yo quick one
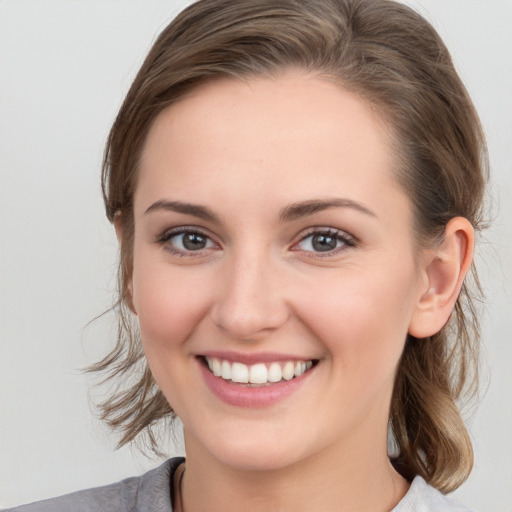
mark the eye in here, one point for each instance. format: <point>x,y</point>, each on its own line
<point>325,241</point>
<point>184,241</point>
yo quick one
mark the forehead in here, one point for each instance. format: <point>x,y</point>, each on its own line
<point>294,134</point>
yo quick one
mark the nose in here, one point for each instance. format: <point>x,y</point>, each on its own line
<point>250,301</point>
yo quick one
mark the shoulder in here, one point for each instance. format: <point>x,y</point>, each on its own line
<point>150,492</point>
<point>424,498</point>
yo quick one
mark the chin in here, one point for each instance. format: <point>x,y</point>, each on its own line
<point>259,452</point>
<point>257,459</point>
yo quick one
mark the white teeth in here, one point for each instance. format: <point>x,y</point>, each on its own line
<point>301,367</point>
<point>215,367</point>
<point>239,373</point>
<point>288,371</point>
<point>275,374</point>
<point>225,370</point>
<point>259,373</point>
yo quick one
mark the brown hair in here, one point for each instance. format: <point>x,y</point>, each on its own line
<point>389,55</point>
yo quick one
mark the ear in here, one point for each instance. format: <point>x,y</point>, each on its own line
<point>128,291</point>
<point>444,268</point>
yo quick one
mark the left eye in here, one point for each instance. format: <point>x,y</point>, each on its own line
<point>324,241</point>
<point>187,241</point>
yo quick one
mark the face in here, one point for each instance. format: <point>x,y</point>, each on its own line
<point>275,273</point>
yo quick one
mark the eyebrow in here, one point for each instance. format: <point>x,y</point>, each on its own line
<point>291,212</point>
<point>305,208</point>
<point>188,208</point>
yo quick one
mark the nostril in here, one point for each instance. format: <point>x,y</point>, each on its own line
<point>246,322</point>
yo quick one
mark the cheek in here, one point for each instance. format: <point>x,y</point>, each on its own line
<point>169,304</point>
<point>169,308</point>
<point>362,317</point>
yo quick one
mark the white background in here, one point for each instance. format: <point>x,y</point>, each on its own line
<point>65,66</point>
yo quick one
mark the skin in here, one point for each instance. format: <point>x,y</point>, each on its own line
<point>246,151</point>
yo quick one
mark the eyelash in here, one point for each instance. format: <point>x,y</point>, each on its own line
<point>347,241</point>
<point>168,235</point>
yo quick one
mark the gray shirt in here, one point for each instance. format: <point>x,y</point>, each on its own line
<point>152,492</point>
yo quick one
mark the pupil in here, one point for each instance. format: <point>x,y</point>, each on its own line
<point>324,243</point>
<point>194,241</point>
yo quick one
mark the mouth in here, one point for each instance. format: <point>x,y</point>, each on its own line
<point>258,374</point>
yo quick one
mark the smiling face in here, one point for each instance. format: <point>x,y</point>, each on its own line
<point>271,237</point>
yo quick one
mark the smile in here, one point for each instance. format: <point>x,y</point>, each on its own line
<point>257,374</point>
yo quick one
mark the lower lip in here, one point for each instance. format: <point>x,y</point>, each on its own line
<point>240,395</point>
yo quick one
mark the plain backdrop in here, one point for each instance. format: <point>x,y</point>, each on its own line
<point>64,68</point>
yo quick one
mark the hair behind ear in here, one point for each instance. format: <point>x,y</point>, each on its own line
<point>429,432</point>
<point>439,356</point>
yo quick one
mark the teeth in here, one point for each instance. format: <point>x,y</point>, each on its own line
<point>258,373</point>
<point>300,368</point>
<point>240,373</point>
<point>288,371</point>
<point>275,374</point>
<point>215,367</point>
<point>225,370</point>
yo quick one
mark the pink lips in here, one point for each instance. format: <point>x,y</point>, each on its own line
<point>247,396</point>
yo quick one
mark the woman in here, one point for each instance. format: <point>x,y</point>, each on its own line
<point>295,187</point>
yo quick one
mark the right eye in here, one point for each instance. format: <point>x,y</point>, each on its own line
<point>186,242</point>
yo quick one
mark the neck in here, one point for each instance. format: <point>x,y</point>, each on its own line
<point>341,479</point>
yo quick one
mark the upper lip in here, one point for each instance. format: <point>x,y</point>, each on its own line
<point>253,358</point>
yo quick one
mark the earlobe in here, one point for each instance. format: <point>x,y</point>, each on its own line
<point>445,267</point>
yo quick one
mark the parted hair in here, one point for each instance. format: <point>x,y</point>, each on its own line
<point>392,58</point>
